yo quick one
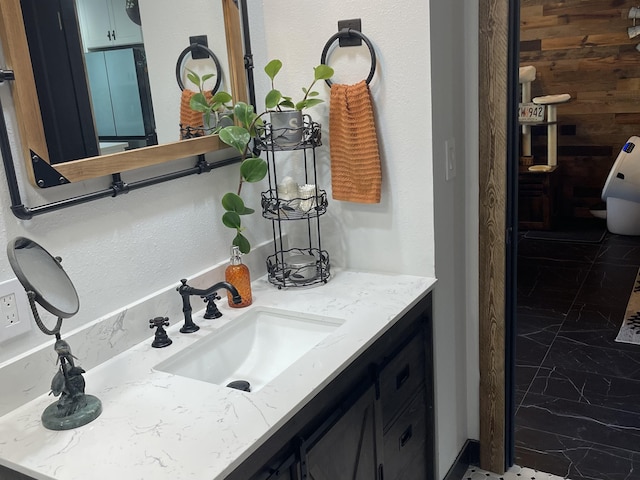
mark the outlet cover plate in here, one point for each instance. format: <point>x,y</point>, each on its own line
<point>20,311</point>
<point>450,156</point>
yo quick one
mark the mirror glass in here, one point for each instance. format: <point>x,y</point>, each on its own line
<point>42,274</point>
<point>116,55</point>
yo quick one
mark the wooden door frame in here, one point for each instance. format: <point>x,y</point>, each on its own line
<point>493,44</point>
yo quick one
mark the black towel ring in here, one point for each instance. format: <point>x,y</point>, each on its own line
<point>189,49</point>
<point>348,32</point>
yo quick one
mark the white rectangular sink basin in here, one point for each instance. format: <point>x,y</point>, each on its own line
<point>256,347</point>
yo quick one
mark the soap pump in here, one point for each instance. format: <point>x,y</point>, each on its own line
<point>237,274</point>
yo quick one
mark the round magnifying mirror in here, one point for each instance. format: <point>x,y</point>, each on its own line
<point>42,274</point>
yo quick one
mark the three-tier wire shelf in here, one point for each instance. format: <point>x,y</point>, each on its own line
<point>305,208</point>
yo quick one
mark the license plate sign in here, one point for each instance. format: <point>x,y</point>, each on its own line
<point>530,113</point>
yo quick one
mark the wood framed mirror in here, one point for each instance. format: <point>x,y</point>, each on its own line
<point>29,115</point>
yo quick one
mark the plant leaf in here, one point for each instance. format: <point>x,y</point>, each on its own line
<point>231,220</point>
<point>323,72</point>
<point>221,97</point>
<point>272,98</point>
<point>272,68</point>
<point>313,94</point>
<point>247,211</point>
<point>287,103</point>
<point>193,78</point>
<point>242,243</point>
<point>236,137</point>
<point>207,77</point>
<point>309,102</point>
<point>244,113</point>
<point>253,169</point>
<point>198,102</point>
<point>233,203</point>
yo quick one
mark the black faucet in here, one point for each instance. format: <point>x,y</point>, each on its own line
<point>210,295</point>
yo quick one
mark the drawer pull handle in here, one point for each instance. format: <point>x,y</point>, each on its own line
<point>402,377</point>
<point>406,436</point>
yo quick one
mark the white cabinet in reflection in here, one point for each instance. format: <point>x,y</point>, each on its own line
<point>105,23</point>
<point>119,93</point>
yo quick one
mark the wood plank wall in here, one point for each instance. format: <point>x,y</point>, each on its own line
<point>581,47</point>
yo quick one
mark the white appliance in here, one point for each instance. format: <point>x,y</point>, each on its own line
<point>621,191</point>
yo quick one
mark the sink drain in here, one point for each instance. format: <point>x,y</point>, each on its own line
<point>240,385</point>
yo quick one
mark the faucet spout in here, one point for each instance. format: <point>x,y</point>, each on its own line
<point>210,295</point>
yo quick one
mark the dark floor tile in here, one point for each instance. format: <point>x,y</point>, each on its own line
<point>585,387</point>
<point>551,290</point>
<point>606,284</point>
<point>573,458</point>
<point>535,334</point>
<point>596,325</point>
<point>542,305</point>
<point>524,376</point>
<point>619,254</point>
<point>556,253</point>
<point>559,277</point>
<point>614,239</point>
<point>610,362</point>
<point>577,415</point>
<point>590,423</point>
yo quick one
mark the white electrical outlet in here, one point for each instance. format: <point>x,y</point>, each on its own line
<point>15,313</point>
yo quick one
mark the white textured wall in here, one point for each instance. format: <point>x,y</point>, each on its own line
<point>449,76</point>
<point>397,234</point>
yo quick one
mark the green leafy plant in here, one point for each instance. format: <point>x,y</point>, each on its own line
<point>216,106</point>
<point>276,100</point>
<point>252,169</point>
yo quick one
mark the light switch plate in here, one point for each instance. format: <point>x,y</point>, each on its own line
<point>450,159</point>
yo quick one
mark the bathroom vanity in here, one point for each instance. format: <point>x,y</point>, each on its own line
<point>359,404</point>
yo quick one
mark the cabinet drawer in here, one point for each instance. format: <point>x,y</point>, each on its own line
<point>405,443</point>
<point>401,378</point>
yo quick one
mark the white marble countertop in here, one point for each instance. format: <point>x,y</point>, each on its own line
<point>164,427</point>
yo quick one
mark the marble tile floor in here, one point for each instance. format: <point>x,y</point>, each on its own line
<point>577,390</point>
<point>514,473</point>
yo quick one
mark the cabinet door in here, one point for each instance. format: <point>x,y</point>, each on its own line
<point>348,450</point>
<point>125,95</point>
<point>105,23</point>
<point>94,22</point>
<point>126,31</point>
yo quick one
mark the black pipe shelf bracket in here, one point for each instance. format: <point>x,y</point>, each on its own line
<point>6,75</point>
<point>350,35</point>
<point>118,186</point>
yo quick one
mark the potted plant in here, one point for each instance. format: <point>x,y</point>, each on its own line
<point>252,168</point>
<point>215,109</point>
<point>286,115</point>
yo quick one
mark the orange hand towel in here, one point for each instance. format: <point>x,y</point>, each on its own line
<point>191,124</point>
<point>355,160</point>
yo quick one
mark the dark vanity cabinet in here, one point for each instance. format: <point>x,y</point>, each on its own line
<point>348,449</point>
<point>373,422</point>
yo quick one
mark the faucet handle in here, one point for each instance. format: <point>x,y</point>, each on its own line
<point>212,309</point>
<point>161,339</point>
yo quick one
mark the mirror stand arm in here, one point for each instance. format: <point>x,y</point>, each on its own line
<point>36,316</point>
<point>118,186</point>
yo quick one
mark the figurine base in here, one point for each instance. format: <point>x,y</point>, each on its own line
<point>87,414</point>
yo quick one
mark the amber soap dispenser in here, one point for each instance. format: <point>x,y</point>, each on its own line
<point>237,274</point>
